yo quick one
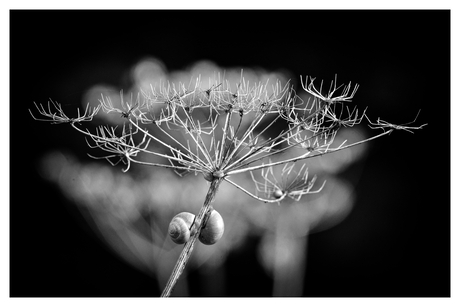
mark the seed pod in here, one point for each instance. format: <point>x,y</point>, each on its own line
<point>179,228</point>
<point>210,176</point>
<point>213,230</point>
<point>218,174</point>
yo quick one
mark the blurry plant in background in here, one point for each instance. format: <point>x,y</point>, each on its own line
<point>247,127</point>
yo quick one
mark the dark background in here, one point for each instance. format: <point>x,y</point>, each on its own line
<point>395,242</point>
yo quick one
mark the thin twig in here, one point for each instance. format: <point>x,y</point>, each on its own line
<point>306,155</point>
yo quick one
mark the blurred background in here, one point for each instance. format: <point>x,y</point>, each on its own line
<point>381,226</point>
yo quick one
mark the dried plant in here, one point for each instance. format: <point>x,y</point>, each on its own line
<point>224,133</point>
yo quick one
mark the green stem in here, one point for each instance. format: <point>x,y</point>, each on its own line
<point>188,247</point>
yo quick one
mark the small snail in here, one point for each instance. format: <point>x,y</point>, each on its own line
<point>180,228</point>
<point>213,230</point>
<point>278,193</point>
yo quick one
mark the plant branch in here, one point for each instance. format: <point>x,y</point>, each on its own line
<point>188,247</point>
<point>304,156</point>
<point>265,200</point>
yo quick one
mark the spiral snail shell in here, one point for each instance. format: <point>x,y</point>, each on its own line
<point>180,228</point>
<point>213,230</point>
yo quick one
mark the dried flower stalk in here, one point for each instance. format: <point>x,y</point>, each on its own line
<point>224,133</point>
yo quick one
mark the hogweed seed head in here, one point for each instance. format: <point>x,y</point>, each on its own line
<point>226,129</point>
<point>222,130</point>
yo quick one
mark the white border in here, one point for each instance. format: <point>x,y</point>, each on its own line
<point>234,4</point>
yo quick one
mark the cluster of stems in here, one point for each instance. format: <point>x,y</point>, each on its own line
<point>224,130</point>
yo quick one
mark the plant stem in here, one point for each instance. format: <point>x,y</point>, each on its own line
<point>188,247</point>
<point>304,156</point>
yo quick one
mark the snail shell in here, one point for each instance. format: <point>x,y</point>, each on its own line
<point>213,230</point>
<point>278,193</point>
<point>179,228</point>
<point>180,232</point>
